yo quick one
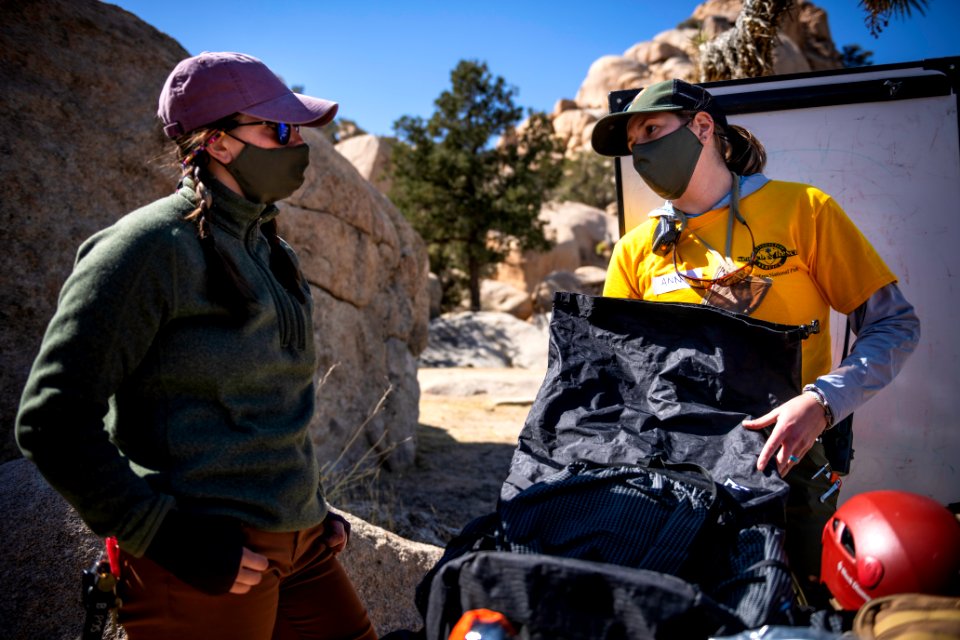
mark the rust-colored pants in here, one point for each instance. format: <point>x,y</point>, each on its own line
<point>304,594</point>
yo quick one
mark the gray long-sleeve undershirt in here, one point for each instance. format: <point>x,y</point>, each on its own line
<point>887,331</point>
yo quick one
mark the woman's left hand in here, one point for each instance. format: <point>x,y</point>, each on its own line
<point>797,424</point>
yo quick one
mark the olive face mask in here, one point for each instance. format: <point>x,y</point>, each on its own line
<point>268,175</point>
<point>666,164</point>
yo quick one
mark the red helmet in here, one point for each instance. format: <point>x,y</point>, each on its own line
<point>880,543</point>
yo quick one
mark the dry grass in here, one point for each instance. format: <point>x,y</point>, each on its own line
<point>464,447</point>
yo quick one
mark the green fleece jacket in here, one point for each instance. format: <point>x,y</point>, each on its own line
<point>147,395</point>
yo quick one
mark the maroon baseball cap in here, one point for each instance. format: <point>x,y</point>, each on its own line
<point>213,85</point>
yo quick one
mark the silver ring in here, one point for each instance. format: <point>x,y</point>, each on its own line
<point>794,459</point>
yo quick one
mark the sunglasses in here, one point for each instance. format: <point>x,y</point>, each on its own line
<point>281,130</point>
<point>728,279</point>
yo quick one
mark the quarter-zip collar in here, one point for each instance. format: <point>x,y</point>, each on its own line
<point>233,212</point>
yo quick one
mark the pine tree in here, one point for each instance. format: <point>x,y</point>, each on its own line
<point>469,175</point>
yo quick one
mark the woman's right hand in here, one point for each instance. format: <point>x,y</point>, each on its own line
<point>797,424</point>
<point>206,552</point>
<point>252,566</point>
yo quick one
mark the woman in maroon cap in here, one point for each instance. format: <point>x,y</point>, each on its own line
<point>171,396</point>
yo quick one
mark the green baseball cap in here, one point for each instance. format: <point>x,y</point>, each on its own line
<point>609,136</point>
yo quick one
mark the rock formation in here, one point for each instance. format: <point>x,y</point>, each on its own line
<point>581,236</point>
<point>386,569</point>
<point>578,233</point>
<point>80,149</point>
<point>369,154</point>
<point>368,271</point>
<point>485,339</point>
<point>804,45</point>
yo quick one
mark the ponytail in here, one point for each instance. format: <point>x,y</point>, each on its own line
<point>742,152</point>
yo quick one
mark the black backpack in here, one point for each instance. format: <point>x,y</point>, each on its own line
<point>633,507</point>
<point>552,597</point>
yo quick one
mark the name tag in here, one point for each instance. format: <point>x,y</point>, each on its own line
<point>672,281</point>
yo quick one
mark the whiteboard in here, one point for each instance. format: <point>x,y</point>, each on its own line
<point>894,166</point>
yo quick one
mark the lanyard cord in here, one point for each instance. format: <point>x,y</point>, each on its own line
<point>727,258</point>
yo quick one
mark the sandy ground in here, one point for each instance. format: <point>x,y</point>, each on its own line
<point>468,428</point>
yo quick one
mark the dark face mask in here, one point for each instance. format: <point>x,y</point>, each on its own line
<point>666,164</point>
<point>268,175</point>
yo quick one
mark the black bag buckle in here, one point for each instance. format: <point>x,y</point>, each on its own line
<point>667,233</point>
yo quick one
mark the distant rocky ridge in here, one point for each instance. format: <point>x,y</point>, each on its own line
<point>805,45</point>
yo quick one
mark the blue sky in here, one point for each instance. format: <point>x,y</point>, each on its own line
<point>382,60</point>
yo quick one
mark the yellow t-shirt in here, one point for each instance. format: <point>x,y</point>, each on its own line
<point>813,253</point>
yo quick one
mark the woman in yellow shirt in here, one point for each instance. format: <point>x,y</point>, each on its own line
<point>784,252</point>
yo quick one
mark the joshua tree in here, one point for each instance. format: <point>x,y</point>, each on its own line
<point>746,51</point>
